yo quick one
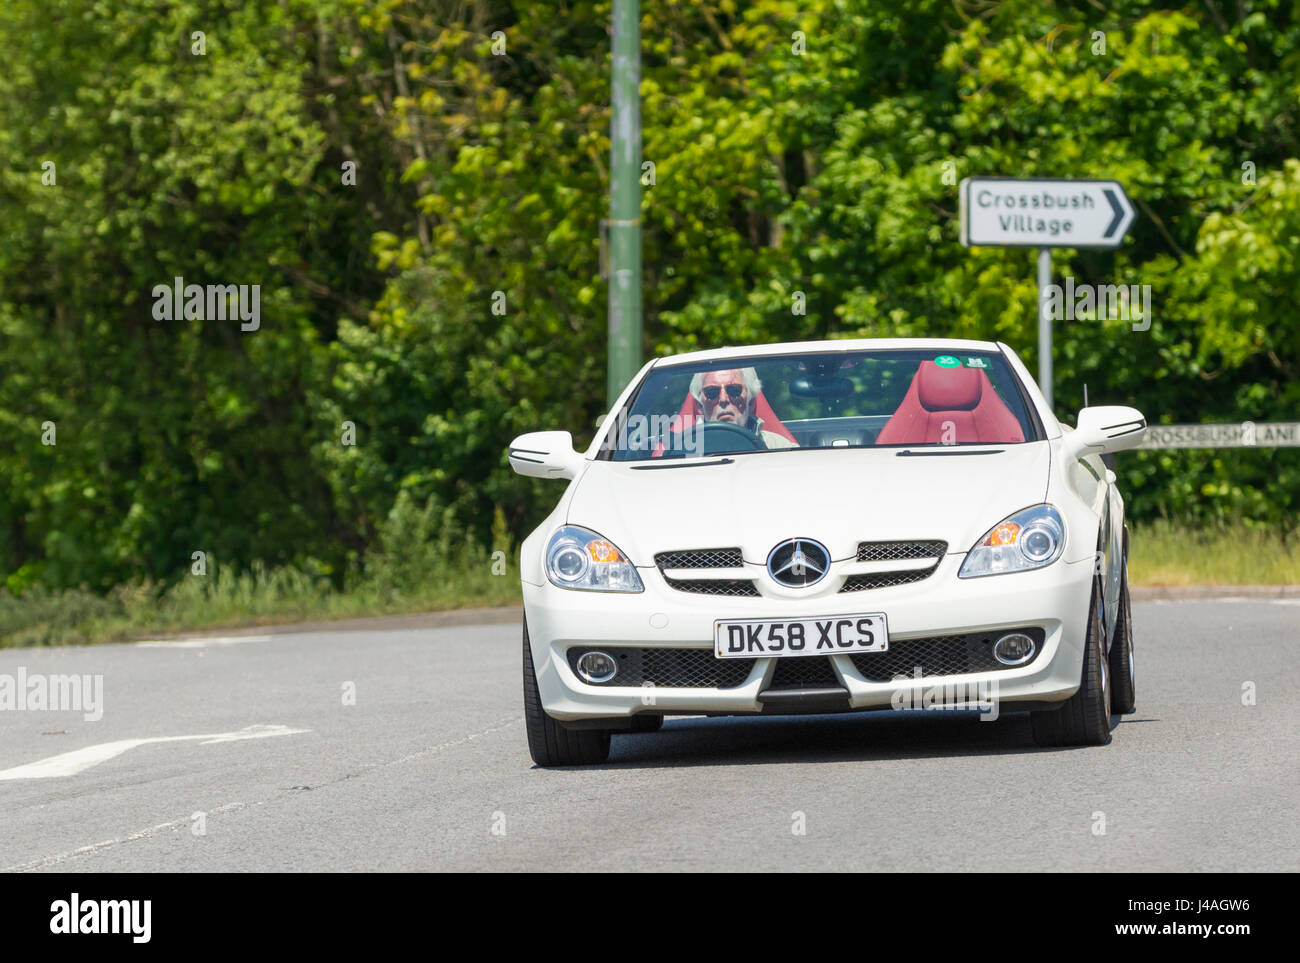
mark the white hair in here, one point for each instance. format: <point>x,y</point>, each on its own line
<point>747,375</point>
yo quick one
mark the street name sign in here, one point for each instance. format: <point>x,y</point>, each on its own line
<point>1043,212</point>
<point>1245,434</point>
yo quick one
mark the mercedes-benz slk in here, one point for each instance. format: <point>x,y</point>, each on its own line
<point>828,527</point>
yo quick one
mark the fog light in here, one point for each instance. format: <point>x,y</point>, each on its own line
<point>1014,649</point>
<point>597,667</point>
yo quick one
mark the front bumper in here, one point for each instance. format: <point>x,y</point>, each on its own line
<point>1055,599</point>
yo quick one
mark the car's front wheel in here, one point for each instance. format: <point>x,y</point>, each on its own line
<point>1123,692</point>
<point>549,743</point>
<point>1084,719</point>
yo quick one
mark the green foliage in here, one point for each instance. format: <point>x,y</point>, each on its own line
<point>172,436</point>
<point>803,153</point>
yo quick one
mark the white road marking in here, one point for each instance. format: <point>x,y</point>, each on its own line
<point>79,760</point>
<point>496,727</point>
<point>176,824</point>
<point>201,643</point>
<point>57,858</point>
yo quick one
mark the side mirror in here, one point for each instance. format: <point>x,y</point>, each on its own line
<point>545,454</point>
<point>1104,429</point>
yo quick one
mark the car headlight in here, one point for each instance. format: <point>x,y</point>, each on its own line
<point>1026,540</point>
<point>580,559</point>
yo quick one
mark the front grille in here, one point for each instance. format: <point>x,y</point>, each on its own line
<point>857,583</point>
<point>806,672</point>
<point>733,587</point>
<point>670,668</point>
<point>941,655</point>
<point>700,558</point>
<point>706,558</point>
<point>894,552</point>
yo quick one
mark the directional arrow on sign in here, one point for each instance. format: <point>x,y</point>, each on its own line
<point>1044,212</point>
<point>1121,212</point>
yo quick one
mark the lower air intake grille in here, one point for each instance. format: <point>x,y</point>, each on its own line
<point>941,655</point>
<point>670,668</point>
<point>806,672</point>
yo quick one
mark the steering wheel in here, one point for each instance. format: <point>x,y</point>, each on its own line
<point>721,437</point>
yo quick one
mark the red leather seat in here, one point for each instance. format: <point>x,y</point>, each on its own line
<point>950,405</point>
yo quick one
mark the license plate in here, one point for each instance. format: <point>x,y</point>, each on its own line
<point>769,638</point>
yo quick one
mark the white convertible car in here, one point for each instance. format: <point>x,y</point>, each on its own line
<point>827,527</point>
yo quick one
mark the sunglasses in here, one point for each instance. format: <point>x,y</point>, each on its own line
<point>714,392</point>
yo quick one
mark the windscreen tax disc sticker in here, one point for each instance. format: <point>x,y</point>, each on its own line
<point>947,361</point>
<point>977,362</point>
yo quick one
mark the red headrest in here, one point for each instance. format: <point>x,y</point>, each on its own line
<point>948,389</point>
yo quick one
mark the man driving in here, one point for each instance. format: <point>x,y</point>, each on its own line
<point>728,396</point>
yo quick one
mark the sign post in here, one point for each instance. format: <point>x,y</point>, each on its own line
<point>1044,212</point>
<point>1045,326</point>
<point>624,199</point>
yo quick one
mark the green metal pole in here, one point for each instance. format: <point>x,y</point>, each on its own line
<point>625,200</point>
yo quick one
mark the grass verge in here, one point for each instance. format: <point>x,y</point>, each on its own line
<point>1164,553</point>
<point>228,600</point>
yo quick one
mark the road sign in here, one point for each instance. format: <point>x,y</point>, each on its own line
<point>1244,434</point>
<point>1043,212</point>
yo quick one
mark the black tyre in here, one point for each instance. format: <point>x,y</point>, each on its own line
<point>1123,694</point>
<point>549,743</point>
<point>647,722</point>
<point>1084,720</point>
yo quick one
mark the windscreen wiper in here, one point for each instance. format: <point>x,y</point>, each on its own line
<point>683,464</point>
<point>912,453</point>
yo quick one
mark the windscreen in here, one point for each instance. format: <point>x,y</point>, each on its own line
<point>791,402</point>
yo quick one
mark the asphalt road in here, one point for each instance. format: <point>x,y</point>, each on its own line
<point>429,769</point>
